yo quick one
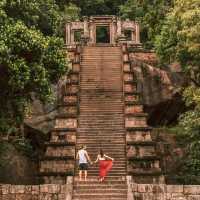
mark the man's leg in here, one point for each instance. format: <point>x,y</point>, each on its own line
<point>85,175</point>
<point>80,175</point>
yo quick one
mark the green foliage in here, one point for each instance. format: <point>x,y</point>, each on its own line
<point>31,57</point>
<point>179,41</point>
<point>94,7</point>
<point>150,15</point>
<point>71,12</point>
<point>180,37</point>
<point>189,132</point>
<point>43,15</point>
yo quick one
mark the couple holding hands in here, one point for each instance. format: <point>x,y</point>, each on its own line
<point>105,163</point>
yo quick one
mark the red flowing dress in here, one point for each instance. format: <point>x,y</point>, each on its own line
<point>104,167</point>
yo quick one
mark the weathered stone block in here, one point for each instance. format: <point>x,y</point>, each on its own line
<point>5,189</point>
<point>19,189</point>
<point>138,136</point>
<point>66,123</point>
<point>76,67</point>
<point>44,188</point>
<point>128,77</point>
<point>74,78</point>
<point>142,188</point>
<point>23,197</point>
<point>134,109</point>
<point>28,189</point>
<point>193,197</point>
<point>127,67</point>
<point>45,197</point>
<point>8,197</point>
<point>35,189</point>
<point>70,110</point>
<point>57,166</point>
<point>192,189</point>
<point>70,99</point>
<point>174,188</point>
<point>131,98</point>
<point>125,57</point>
<point>135,122</point>
<point>130,88</point>
<point>53,189</point>
<point>73,89</point>
<point>60,151</point>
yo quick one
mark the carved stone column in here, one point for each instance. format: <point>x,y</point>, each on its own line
<point>119,27</point>
<point>114,30</point>
<point>68,33</point>
<point>85,26</point>
<point>91,31</point>
<point>137,33</point>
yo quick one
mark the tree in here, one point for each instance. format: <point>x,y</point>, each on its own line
<point>179,41</point>
<point>94,7</point>
<point>190,133</point>
<point>31,57</point>
<point>150,15</point>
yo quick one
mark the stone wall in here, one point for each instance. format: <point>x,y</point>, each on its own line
<point>162,191</point>
<point>37,192</point>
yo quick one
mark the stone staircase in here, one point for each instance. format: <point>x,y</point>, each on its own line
<point>59,159</point>
<point>143,164</point>
<point>101,108</point>
<point>101,122</point>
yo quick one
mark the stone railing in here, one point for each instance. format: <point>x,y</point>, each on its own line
<point>162,191</point>
<point>37,192</point>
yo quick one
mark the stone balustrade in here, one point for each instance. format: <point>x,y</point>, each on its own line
<point>37,192</point>
<point>162,191</point>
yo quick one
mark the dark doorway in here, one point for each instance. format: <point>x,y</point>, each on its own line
<point>102,34</point>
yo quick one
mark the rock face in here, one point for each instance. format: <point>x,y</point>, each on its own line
<point>15,166</point>
<point>42,115</point>
<point>159,88</point>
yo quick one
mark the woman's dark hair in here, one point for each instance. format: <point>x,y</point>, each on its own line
<point>101,153</point>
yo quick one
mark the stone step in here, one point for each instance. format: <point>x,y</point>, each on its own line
<point>100,119</point>
<point>91,134</point>
<point>100,198</point>
<point>101,186</point>
<point>110,173</point>
<point>99,190</point>
<point>96,130</point>
<point>96,139</point>
<point>100,195</point>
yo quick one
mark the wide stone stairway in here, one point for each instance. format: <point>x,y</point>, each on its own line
<point>101,122</point>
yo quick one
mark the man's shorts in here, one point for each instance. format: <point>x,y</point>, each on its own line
<point>83,166</point>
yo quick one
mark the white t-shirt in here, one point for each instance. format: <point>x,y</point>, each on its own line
<point>82,156</point>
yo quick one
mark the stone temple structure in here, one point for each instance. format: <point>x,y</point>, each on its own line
<point>100,106</point>
<point>110,28</point>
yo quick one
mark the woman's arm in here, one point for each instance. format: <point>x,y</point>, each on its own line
<point>97,159</point>
<point>108,157</point>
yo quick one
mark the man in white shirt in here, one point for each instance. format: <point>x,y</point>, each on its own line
<point>83,158</point>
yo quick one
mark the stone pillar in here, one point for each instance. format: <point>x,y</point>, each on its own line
<point>130,191</point>
<point>137,33</point>
<point>85,26</point>
<point>68,33</point>
<point>91,31</point>
<point>69,188</point>
<point>114,31</point>
<point>119,27</point>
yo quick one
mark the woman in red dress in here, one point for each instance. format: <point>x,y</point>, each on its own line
<point>105,164</point>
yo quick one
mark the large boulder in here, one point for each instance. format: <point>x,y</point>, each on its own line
<point>159,88</point>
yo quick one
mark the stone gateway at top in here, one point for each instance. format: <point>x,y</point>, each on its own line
<point>102,30</point>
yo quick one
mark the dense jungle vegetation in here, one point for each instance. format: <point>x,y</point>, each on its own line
<point>31,55</point>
